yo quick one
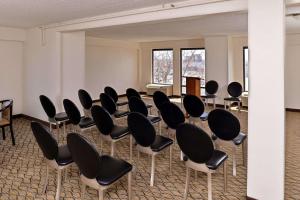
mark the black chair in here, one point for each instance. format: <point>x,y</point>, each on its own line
<point>226,132</point>
<point>6,110</point>
<point>54,118</point>
<point>147,141</point>
<point>108,103</point>
<point>130,92</point>
<point>86,102</point>
<point>57,157</point>
<point>79,123</point>
<point>200,155</point>
<point>172,116</point>
<point>114,95</point>
<point>195,109</point>
<point>235,90</point>
<point>108,130</point>
<point>211,88</point>
<point>159,99</point>
<point>137,105</point>
<point>96,171</point>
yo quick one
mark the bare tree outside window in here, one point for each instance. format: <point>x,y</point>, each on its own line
<point>162,66</point>
<point>192,65</point>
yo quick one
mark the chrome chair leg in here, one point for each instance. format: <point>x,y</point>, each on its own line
<point>234,161</point>
<point>225,175</point>
<point>129,186</point>
<point>170,159</point>
<point>101,194</point>
<point>57,196</point>
<point>209,186</point>
<point>152,171</point>
<point>83,190</point>
<point>112,151</point>
<point>46,180</point>
<point>130,147</point>
<point>187,182</point>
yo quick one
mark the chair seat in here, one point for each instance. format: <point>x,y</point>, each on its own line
<point>160,143</point>
<point>204,116</point>
<point>61,117</point>
<point>119,132</point>
<point>232,99</point>
<point>4,122</point>
<point>216,160</point>
<point>86,122</point>
<point>111,170</point>
<point>119,114</point>
<point>64,156</point>
<point>122,103</point>
<point>154,119</point>
<point>209,96</point>
<point>239,139</point>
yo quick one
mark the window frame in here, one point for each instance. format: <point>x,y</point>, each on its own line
<point>193,48</point>
<point>244,70</point>
<point>152,54</point>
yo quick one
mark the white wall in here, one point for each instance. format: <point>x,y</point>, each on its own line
<point>73,65</point>
<point>11,66</point>
<point>110,63</point>
<point>146,59</point>
<point>217,63</point>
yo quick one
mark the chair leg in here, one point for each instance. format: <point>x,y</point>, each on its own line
<point>57,132</point>
<point>3,133</point>
<point>101,194</point>
<point>83,190</point>
<point>234,161</point>
<point>57,196</point>
<point>50,127</point>
<point>12,135</point>
<point>187,182</point>
<point>209,187</point>
<point>130,147</point>
<point>152,171</point>
<point>159,127</point>
<point>64,127</point>
<point>46,180</point>
<point>225,105</point>
<point>244,146</point>
<point>112,151</point>
<point>129,186</point>
<point>214,102</point>
<point>225,175</point>
<point>170,159</point>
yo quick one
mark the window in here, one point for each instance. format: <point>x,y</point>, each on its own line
<point>192,65</point>
<point>162,66</point>
<point>246,68</point>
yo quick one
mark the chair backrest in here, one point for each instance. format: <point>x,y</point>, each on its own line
<point>45,140</point>
<point>7,109</point>
<point>193,105</point>
<point>130,92</point>
<point>159,99</point>
<point>108,103</point>
<point>85,99</point>
<point>72,111</point>
<point>137,105</point>
<point>112,93</point>
<point>84,155</point>
<point>102,119</point>
<point>194,143</point>
<point>48,106</point>
<point>141,129</point>
<point>211,87</point>
<point>235,89</point>
<point>172,115</point>
<point>223,124</point>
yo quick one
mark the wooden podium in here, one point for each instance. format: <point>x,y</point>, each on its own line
<point>193,86</point>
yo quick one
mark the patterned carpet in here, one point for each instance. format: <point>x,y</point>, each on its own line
<point>22,170</point>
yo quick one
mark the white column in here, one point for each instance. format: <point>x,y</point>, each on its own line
<point>266,126</point>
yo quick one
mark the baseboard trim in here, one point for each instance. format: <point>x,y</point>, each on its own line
<point>30,118</point>
<point>250,198</point>
<point>292,109</point>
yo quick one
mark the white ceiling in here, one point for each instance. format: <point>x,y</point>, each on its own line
<point>221,24</point>
<point>31,13</point>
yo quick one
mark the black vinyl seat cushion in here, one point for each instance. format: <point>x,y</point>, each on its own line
<point>86,122</point>
<point>64,156</point>
<point>204,116</point>
<point>160,143</point>
<point>239,139</point>
<point>232,99</point>
<point>154,119</point>
<point>111,169</point>
<point>118,132</point>
<point>216,160</point>
<point>209,96</point>
<point>119,114</point>
<point>61,117</point>
<point>123,103</point>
